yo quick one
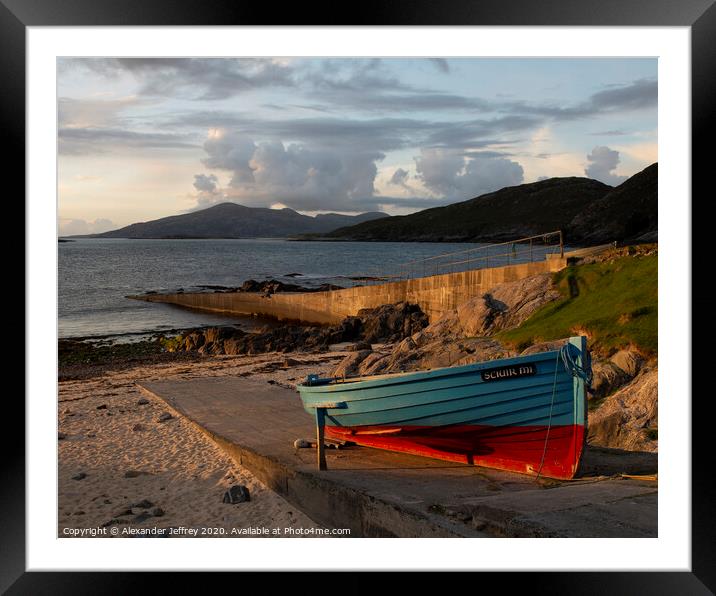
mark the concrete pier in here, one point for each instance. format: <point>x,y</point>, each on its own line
<point>383,494</point>
<point>434,294</point>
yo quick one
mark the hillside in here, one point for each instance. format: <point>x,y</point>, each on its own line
<point>229,220</point>
<point>508,213</point>
<point>588,211</point>
<point>627,213</point>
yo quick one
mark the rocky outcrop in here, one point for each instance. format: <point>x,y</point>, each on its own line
<point>460,336</point>
<point>628,419</point>
<point>390,322</point>
<point>507,305</point>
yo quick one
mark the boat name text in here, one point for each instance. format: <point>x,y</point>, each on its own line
<point>509,372</point>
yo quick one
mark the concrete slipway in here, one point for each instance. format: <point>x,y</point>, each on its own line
<point>379,493</point>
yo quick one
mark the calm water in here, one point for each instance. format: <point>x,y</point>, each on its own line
<point>95,275</point>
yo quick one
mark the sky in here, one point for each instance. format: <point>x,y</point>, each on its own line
<point>144,138</point>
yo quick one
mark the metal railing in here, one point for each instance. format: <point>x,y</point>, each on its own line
<point>522,250</point>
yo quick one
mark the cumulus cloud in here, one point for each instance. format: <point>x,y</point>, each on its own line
<point>204,183</point>
<point>451,174</point>
<point>298,175</point>
<point>76,227</point>
<point>399,178</point>
<point>602,163</point>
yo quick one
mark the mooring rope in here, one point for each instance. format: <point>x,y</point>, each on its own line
<point>551,407</point>
<point>567,353</point>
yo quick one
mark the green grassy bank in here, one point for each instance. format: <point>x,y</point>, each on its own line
<point>614,302</point>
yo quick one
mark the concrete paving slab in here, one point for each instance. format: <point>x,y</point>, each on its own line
<point>380,493</point>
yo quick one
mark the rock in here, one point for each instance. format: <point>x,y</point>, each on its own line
<point>90,435</point>
<point>139,428</point>
<point>79,476</point>
<point>79,513</point>
<point>545,346</point>
<point>136,473</point>
<point>302,444</point>
<point>629,361</point>
<point>102,407</point>
<point>143,504</point>
<point>142,402</point>
<point>391,321</point>
<point>124,512</point>
<point>607,378</point>
<point>349,365</point>
<point>164,417</point>
<point>289,362</point>
<point>359,347</point>
<point>144,516</point>
<point>505,306</point>
<point>236,494</point>
<point>373,364</point>
<point>157,512</point>
<point>61,436</point>
<point>628,418</point>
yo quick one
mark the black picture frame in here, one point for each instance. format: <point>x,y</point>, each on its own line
<point>699,15</point>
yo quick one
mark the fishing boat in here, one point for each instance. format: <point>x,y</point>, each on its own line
<point>525,414</point>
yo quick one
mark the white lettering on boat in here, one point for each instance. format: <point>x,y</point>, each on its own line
<point>509,372</point>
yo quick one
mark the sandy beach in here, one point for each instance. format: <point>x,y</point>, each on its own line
<point>121,469</point>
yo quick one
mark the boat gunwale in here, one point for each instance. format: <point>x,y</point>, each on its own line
<point>352,383</point>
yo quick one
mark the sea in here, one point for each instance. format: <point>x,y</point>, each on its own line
<point>95,276</point>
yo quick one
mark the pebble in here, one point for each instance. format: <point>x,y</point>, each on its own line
<point>164,417</point>
<point>138,428</point>
<point>135,473</point>
<point>102,407</point>
<point>143,402</point>
<point>157,512</point>
<point>61,436</point>
<point>143,504</point>
<point>79,476</point>
<point>236,494</point>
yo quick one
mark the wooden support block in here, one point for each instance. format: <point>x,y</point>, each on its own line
<point>320,447</point>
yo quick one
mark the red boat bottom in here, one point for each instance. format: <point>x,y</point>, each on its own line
<point>516,448</point>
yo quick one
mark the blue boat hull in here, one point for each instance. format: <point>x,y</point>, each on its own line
<point>526,414</point>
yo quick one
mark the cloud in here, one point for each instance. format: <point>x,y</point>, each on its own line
<point>399,178</point>
<point>74,227</point>
<point>441,64</point>
<point>602,162</point>
<point>193,78</point>
<point>637,95</point>
<point>82,141</point>
<point>298,175</point>
<point>450,174</point>
<point>204,183</point>
<point>84,113</point>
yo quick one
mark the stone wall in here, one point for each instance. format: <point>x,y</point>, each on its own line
<point>434,295</point>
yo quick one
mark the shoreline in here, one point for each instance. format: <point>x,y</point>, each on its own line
<point>114,452</point>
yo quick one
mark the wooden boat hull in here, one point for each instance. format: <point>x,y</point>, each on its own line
<point>484,414</point>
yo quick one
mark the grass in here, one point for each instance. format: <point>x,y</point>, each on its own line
<point>613,303</point>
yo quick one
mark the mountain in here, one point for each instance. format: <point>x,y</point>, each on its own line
<point>229,220</point>
<point>587,211</point>
<point>628,213</point>
<point>506,214</point>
